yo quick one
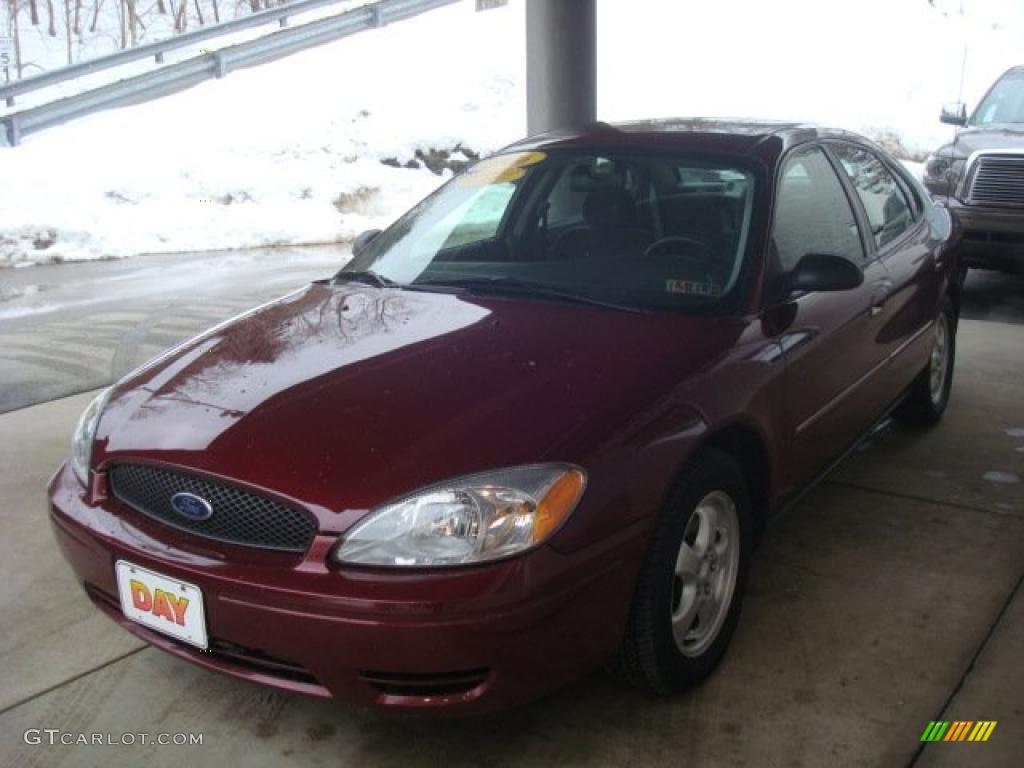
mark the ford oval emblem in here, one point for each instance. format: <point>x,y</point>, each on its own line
<point>191,506</point>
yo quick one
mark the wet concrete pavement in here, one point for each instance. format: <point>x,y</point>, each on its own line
<point>68,328</point>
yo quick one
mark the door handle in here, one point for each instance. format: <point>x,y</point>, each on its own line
<point>879,296</point>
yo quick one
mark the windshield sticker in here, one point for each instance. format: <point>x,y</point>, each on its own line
<point>500,169</point>
<point>691,288</point>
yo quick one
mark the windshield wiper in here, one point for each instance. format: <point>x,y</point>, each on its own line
<point>513,286</point>
<point>369,277</point>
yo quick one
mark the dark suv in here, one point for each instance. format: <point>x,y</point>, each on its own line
<point>980,176</point>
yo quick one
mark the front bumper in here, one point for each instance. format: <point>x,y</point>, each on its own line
<point>993,238</point>
<point>465,640</point>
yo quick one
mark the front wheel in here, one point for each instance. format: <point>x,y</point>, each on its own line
<point>691,584</point>
<point>929,394</point>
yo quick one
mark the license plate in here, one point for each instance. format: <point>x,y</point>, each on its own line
<point>159,602</point>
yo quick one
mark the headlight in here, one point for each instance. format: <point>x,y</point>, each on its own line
<point>85,431</point>
<point>944,170</point>
<point>473,519</point>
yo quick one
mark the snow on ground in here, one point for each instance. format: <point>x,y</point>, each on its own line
<point>290,152</point>
<point>285,153</point>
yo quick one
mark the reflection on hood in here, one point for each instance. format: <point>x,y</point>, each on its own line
<point>242,366</point>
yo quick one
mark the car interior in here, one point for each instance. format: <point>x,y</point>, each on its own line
<point>636,227</point>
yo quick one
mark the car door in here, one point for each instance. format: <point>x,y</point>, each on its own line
<point>900,239</point>
<point>832,362</point>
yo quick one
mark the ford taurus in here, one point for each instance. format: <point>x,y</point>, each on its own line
<point>533,428</point>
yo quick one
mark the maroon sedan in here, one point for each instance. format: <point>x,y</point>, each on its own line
<point>534,427</point>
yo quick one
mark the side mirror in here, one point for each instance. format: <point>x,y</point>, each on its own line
<point>954,113</point>
<point>364,239</point>
<point>824,272</point>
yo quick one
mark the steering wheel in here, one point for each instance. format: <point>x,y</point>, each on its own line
<point>704,260</point>
<point>666,243</point>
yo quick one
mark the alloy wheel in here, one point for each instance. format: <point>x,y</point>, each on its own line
<point>939,360</point>
<point>705,573</point>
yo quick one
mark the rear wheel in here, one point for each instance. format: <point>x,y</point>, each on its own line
<point>929,394</point>
<point>691,585</point>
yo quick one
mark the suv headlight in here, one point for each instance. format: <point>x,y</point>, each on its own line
<point>473,519</point>
<point>85,431</point>
<point>944,169</point>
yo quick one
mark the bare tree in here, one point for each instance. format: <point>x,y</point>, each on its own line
<point>33,10</point>
<point>78,18</point>
<point>16,34</point>
<point>67,31</point>
<point>52,29</point>
<point>95,14</point>
<point>216,12</point>
<point>199,13</point>
<point>133,18</point>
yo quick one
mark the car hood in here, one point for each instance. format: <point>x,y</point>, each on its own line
<point>342,397</point>
<point>971,140</point>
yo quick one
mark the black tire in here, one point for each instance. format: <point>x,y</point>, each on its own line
<point>924,405</point>
<point>650,656</point>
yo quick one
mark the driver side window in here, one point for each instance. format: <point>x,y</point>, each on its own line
<point>812,214</point>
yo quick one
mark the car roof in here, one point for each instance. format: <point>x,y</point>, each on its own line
<point>734,136</point>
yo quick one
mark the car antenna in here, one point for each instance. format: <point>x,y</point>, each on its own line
<point>959,98</point>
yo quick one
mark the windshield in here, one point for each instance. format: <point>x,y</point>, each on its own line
<point>1003,104</point>
<point>635,230</point>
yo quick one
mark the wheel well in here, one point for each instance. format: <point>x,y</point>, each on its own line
<point>747,448</point>
<point>954,291</point>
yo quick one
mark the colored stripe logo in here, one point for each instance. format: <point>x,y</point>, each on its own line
<point>958,730</point>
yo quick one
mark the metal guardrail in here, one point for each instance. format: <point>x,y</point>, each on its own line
<point>216,64</point>
<point>156,50</point>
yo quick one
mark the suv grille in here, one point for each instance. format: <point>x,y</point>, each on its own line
<point>239,517</point>
<point>997,179</point>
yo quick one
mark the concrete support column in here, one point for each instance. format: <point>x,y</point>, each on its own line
<point>561,64</point>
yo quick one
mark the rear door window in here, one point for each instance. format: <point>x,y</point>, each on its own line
<point>885,202</point>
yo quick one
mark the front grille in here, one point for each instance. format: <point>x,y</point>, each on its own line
<point>239,517</point>
<point>997,179</point>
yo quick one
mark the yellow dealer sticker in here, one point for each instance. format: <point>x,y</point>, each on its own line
<point>500,169</point>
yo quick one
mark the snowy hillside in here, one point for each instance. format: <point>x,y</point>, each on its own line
<point>313,148</point>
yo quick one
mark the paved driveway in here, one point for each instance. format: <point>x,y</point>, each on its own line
<point>68,328</point>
